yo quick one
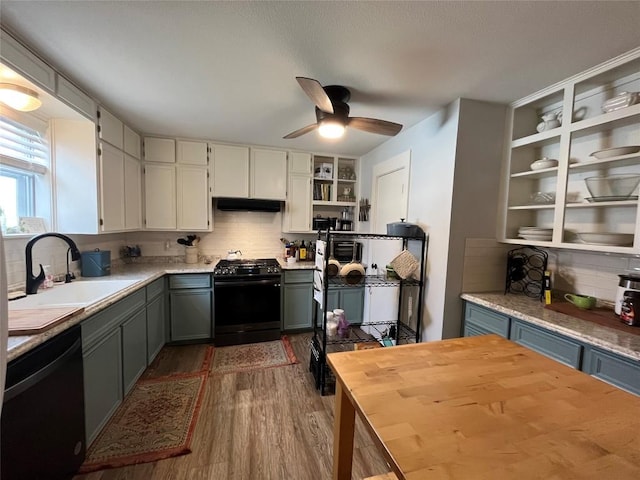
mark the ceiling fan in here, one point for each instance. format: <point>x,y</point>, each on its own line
<point>332,112</point>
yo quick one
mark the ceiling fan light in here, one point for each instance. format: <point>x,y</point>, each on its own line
<point>331,129</point>
<point>19,98</point>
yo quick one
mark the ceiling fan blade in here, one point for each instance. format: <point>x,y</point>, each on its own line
<point>373,125</point>
<point>302,131</point>
<point>316,93</point>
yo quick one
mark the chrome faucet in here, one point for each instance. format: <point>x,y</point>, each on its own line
<point>34,282</point>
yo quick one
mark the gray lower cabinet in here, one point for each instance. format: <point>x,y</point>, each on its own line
<point>134,349</point>
<point>297,300</point>
<point>612,368</point>
<point>156,318</point>
<point>551,344</point>
<point>605,365</point>
<point>190,307</point>
<point>102,382</point>
<point>349,299</point>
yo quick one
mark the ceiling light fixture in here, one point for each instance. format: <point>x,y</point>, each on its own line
<point>331,129</point>
<point>19,98</point>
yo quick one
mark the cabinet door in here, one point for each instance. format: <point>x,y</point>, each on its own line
<point>112,188</point>
<point>190,312</point>
<point>20,59</point>
<point>192,153</point>
<point>134,349</point>
<point>193,198</point>
<point>162,150</point>
<point>268,174</point>
<point>300,163</point>
<point>487,321</point>
<point>156,335</point>
<point>131,143</point>
<point>230,171</point>
<point>297,306</point>
<point>110,129</point>
<point>75,97</point>
<point>160,196</point>
<point>548,343</point>
<point>102,383</point>
<point>613,369</point>
<point>352,302</point>
<point>297,215</point>
<point>132,193</point>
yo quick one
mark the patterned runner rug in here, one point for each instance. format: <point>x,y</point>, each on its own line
<point>155,421</point>
<point>253,356</point>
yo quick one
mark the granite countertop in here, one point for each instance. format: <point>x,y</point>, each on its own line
<point>144,273</point>
<point>533,311</point>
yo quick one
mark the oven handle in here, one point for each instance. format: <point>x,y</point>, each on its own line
<point>245,283</point>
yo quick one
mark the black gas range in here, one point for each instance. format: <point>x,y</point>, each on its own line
<point>247,301</point>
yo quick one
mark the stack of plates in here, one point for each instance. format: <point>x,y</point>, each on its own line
<point>536,233</point>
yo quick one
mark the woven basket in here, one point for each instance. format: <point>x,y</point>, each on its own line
<point>405,264</point>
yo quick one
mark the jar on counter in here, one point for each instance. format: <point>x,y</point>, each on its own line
<point>630,310</point>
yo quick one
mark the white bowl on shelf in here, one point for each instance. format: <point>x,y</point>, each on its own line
<point>544,162</point>
<point>615,151</point>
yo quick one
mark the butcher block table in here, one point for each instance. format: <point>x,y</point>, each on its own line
<point>483,408</point>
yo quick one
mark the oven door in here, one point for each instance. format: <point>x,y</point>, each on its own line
<point>247,309</point>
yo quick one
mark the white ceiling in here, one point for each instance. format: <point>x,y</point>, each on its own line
<point>226,70</point>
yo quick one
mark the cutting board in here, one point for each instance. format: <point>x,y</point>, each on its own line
<point>33,321</point>
<point>602,316</point>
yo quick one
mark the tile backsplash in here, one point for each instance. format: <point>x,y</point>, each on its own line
<point>256,234</point>
<point>587,273</point>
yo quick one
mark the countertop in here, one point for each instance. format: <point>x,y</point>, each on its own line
<point>533,311</point>
<point>144,273</point>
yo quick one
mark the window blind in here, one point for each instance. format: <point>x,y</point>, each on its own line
<point>22,146</point>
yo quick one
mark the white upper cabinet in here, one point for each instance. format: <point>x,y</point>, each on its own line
<point>112,189</point>
<point>297,212</point>
<point>576,124</point>
<point>132,193</point>
<point>193,200</point>
<point>80,101</point>
<point>229,171</point>
<point>132,145</point>
<point>162,150</point>
<point>110,129</point>
<point>268,171</point>
<point>192,153</point>
<point>160,196</point>
<point>23,61</point>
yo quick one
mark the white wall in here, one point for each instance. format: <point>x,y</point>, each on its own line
<point>455,170</point>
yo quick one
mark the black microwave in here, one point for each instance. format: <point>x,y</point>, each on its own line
<point>343,251</point>
<point>324,223</point>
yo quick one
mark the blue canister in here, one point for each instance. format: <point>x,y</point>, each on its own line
<point>96,263</point>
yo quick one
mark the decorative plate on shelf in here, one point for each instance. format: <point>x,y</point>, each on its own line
<point>615,151</point>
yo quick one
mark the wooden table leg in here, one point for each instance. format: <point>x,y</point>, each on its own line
<point>343,430</point>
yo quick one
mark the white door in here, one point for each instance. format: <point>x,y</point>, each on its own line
<point>268,174</point>
<point>297,215</point>
<point>132,193</point>
<point>230,171</point>
<point>389,200</point>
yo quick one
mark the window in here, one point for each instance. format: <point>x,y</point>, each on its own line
<point>24,158</point>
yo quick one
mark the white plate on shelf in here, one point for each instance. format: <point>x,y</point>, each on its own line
<point>615,151</point>
<point>535,230</point>
<point>610,199</point>
<point>535,237</point>
<point>609,239</point>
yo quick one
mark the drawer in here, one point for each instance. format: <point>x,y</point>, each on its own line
<point>473,330</point>
<point>299,276</point>
<point>613,369</point>
<point>155,288</point>
<point>486,320</point>
<point>190,281</point>
<point>550,344</point>
<point>100,324</point>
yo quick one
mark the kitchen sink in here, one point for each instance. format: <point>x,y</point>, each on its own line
<point>75,294</point>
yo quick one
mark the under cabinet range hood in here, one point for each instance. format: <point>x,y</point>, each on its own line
<point>247,205</point>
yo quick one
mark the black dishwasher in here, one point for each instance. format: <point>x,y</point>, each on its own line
<point>42,435</point>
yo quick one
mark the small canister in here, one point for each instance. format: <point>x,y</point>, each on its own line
<point>630,310</point>
<point>627,282</point>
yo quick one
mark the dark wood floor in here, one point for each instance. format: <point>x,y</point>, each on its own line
<point>265,425</point>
